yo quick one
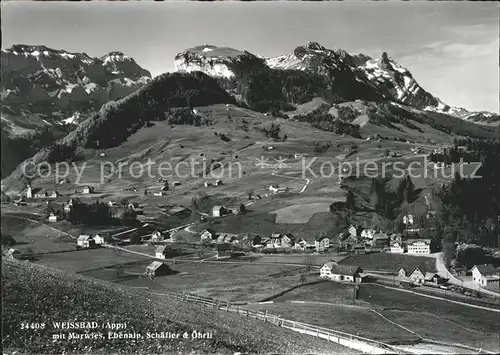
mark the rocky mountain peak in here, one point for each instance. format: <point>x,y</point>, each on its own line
<point>384,63</point>
<point>315,46</point>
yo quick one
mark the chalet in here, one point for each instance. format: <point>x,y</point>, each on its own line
<point>277,240</point>
<point>39,193</point>
<point>102,238</point>
<point>161,252</point>
<point>485,275</point>
<point>322,243</point>
<point>359,249</point>
<point>417,276</point>
<point>52,194</point>
<point>342,273</point>
<point>368,233</point>
<point>88,190</point>
<point>380,240</point>
<point>52,217</point>
<point>434,279</point>
<point>300,244</point>
<point>85,241</point>
<point>397,247</point>
<point>157,268</point>
<point>419,246</point>
<point>208,234</point>
<point>349,241</point>
<point>13,254</point>
<point>158,236</point>
<point>355,231</point>
<point>68,206</point>
<point>404,272</point>
<point>218,211</point>
<point>274,188</point>
<point>224,250</point>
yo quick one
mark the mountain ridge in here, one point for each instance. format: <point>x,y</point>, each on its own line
<point>383,75</point>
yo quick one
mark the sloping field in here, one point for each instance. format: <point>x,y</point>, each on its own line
<point>57,296</point>
<point>300,213</point>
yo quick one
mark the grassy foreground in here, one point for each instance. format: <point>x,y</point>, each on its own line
<point>36,293</point>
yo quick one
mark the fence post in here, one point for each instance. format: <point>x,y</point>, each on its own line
<point>227,307</point>
<point>247,312</point>
<point>265,316</point>
<point>317,333</point>
<point>328,336</point>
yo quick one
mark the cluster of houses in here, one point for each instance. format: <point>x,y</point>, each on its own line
<point>41,193</point>
<point>92,241</point>
<point>278,241</point>
<point>360,240</point>
<point>419,276</point>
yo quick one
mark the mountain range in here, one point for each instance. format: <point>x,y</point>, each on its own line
<point>371,78</point>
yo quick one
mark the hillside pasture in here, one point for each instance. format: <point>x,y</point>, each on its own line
<point>299,214</point>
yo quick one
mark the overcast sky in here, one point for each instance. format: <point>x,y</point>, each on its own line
<point>451,48</point>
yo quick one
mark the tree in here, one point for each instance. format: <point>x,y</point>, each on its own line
<point>243,209</point>
<point>350,202</point>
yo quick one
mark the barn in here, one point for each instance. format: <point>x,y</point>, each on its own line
<point>157,268</point>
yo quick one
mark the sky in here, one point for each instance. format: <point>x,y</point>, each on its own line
<point>451,48</point>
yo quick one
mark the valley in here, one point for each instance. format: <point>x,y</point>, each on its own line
<point>321,203</point>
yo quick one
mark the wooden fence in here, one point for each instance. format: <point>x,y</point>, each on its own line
<point>362,344</point>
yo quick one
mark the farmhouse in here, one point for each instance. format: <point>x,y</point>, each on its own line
<point>52,217</point>
<point>102,238</point>
<point>359,249</point>
<point>380,240</point>
<point>218,182</point>
<point>274,188</point>
<point>39,193</point>
<point>52,194</point>
<point>158,236</point>
<point>224,250</point>
<point>13,254</point>
<point>158,193</point>
<point>161,252</point>
<point>404,272</point>
<point>417,276</point>
<point>368,233</point>
<point>208,234</point>
<point>322,243</point>
<point>355,231</point>
<point>157,268</point>
<point>485,275</point>
<point>300,244</point>
<point>397,247</point>
<point>419,246</point>
<point>434,279</point>
<point>277,240</point>
<point>348,241</point>
<point>85,241</point>
<point>88,189</point>
<point>342,273</point>
<point>218,211</point>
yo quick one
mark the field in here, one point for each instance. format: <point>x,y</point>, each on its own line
<point>300,214</point>
<point>225,281</point>
<point>329,292</point>
<point>391,262</point>
<point>81,260</point>
<point>357,321</point>
<point>57,296</point>
<point>32,236</point>
<point>386,299</point>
